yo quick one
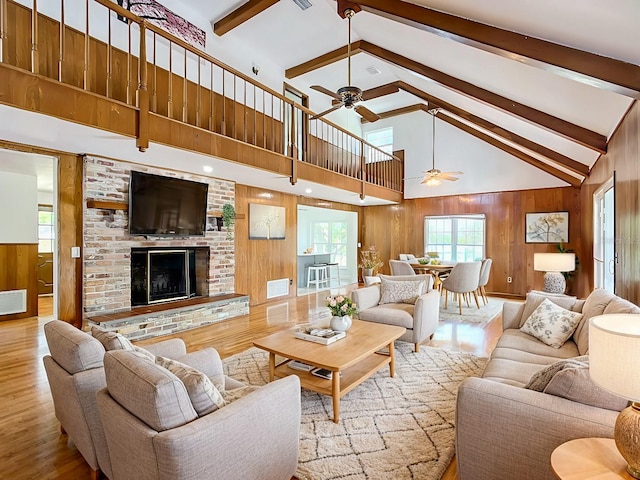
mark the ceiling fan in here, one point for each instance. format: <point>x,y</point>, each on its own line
<point>433,177</point>
<point>347,96</point>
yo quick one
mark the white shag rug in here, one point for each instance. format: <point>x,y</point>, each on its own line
<point>390,428</point>
<point>471,314</point>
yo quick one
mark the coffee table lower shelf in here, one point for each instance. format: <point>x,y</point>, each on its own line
<point>350,378</point>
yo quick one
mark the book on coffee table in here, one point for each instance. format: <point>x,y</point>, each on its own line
<point>324,336</point>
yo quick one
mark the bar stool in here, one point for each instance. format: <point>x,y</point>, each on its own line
<point>319,271</point>
<point>329,272</point>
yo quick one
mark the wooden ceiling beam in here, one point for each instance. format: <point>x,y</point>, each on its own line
<point>590,68</point>
<point>567,162</point>
<point>573,132</point>
<point>240,15</point>
<point>565,177</point>
<point>322,61</point>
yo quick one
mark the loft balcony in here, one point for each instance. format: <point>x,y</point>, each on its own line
<point>106,68</point>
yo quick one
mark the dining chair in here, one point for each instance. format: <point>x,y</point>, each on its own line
<point>463,280</point>
<point>400,267</point>
<point>485,270</point>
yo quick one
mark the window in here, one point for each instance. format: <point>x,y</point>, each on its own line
<point>331,237</point>
<point>382,139</point>
<point>457,238</point>
<point>46,230</point>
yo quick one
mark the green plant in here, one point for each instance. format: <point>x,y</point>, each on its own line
<point>562,249</point>
<point>341,306</point>
<point>228,218</point>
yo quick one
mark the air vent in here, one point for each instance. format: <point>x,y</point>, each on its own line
<point>303,4</point>
<point>278,288</point>
<point>13,301</point>
<point>373,70</point>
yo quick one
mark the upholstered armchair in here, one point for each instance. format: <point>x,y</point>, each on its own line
<point>419,315</point>
<point>401,267</point>
<point>75,372</point>
<point>154,432</point>
<point>462,281</point>
<point>485,271</point>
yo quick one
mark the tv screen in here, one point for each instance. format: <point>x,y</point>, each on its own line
<point>165,206</point>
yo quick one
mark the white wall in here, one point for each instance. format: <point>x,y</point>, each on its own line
<point>18,208</point>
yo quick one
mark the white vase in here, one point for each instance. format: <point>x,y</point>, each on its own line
<point>341,324</point>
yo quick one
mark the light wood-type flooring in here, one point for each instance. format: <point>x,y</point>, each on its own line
<point>31,445</point>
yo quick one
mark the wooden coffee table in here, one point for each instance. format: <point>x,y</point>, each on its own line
<point>352,359</point>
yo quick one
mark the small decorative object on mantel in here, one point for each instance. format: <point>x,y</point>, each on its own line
<point>342,308</point>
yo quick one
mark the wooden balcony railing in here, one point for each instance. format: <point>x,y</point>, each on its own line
<point>102,48</point>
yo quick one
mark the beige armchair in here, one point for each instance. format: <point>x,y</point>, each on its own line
<point>154,432</point>
<point>420,318</point>
<point>401,267</point>
<point>485,271</point>
<point>462,281</point>
<point>75,372</point>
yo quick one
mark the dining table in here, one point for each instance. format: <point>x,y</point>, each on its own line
<point>435,270</point>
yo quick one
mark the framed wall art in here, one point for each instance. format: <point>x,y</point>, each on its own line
<point>548,227</point>
<point>266,222</point>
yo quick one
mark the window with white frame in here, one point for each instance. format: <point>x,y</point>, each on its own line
<point>382,139</point>
<point>456,238</point>
<point>331,237</point>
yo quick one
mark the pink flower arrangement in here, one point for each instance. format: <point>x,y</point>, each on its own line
<point>341,305</point>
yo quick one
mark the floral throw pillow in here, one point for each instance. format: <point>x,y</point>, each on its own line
<point>551,324</point>
<point>400,291</point>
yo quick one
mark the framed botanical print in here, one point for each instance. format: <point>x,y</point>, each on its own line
<point>549,227</point>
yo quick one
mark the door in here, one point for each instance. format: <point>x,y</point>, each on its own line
<point>46,239</point>
<point>604,254</point>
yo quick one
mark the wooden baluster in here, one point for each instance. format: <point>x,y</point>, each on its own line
<point>62,37</point>
<point>185,112</point>
<point>294,148</point>
<point>87,56</point>
<point>212,95</point>
<point>255,117</point>
<point>3,27</point>
<point>129,101</point>
<point>154,94</point>
<point>362,171</point>
<point>264,121</point>
<point>142,94</point>
<point>198,95</point>
<point>170,83</point>
<point>35,66</point>
<point>244,112</point>
<point>224,105</point>
<point>109,55</point>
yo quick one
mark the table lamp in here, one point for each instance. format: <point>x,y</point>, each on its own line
<point>553,264</point>
<point>614,343</point>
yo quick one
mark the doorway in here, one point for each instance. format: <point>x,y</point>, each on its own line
<point>604,254</point>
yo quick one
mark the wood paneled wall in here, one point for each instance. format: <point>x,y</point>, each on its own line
<point>400,229</point>
<point>623,158</point>
<point>19,271</point>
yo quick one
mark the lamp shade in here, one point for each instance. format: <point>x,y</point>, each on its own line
<point>554,262</point>
<point>614,343</point>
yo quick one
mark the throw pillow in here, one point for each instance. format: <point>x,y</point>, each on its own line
<point>111,340</point>
<point>551,324</point>
<point>535,298</point>
<point>400,291</point>
<point>575,384</point>
<point>203,394</point>
<point>237,393</point>
<point>541,378</point>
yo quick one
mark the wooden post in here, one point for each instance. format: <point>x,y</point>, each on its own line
<point>142,94</point>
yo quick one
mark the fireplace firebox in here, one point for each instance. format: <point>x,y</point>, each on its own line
<point>163,275</point>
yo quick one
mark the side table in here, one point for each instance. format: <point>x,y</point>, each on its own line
<point>589,459</point>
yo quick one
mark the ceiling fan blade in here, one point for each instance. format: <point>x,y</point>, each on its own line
<point>380,91</point>
<point>326,91</point>
<point>318,115</point>
<point>367,114</point>
<point>444,176</point>
<point>452,173</point>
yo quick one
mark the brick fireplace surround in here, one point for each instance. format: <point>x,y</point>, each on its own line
<point>106,286</point>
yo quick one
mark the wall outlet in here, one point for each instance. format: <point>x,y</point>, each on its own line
<point>509,279</point>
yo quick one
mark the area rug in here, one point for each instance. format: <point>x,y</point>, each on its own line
<point>471,314</point>
<point>400,428</point>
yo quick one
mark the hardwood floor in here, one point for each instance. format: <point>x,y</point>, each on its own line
<point>31,446</point>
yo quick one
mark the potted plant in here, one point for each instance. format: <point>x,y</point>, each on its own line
<point>342,308</point>
<point>228,218</point>
<point>370,261</point>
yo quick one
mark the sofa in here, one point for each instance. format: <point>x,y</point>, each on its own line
<point>408,301</point>
<point>163,422</point>
<point>533,396</point>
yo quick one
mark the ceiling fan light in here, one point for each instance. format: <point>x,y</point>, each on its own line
<point>433,182</point>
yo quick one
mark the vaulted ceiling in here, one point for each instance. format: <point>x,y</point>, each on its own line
<point>537,86</point>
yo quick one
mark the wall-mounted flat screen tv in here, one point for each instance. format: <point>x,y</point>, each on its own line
<point>168,207</point>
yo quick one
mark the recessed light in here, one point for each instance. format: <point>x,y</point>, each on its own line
<point>308,190</point>
<point>207,169</point>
